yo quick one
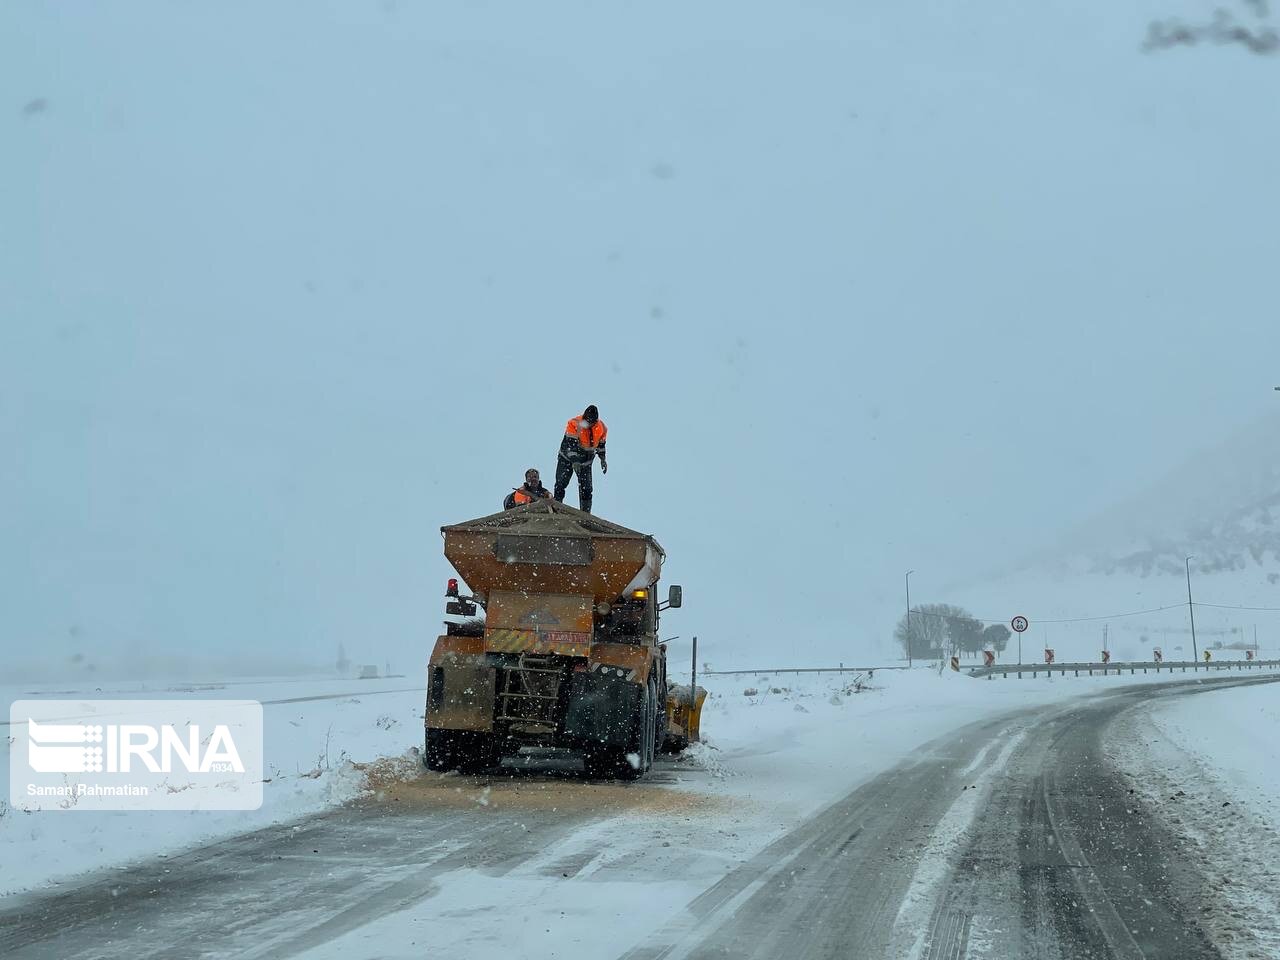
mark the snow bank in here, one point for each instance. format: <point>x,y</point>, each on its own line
<point>1211,764</point>
<point>313,731</point>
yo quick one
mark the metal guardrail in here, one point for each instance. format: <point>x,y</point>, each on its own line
<point>776,670</point>
<point>1145,666</point>
<point>1034,669</point>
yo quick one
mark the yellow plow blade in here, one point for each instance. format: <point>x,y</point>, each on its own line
<point>684,716</point>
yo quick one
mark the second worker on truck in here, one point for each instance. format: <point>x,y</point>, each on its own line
<point>583,440</point>
<point>530,491</point>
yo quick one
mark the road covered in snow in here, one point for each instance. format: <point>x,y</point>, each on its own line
<point>905,815</point>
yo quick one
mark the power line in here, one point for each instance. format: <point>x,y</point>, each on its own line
<point>1229,606</point>
<point>1117,616</point>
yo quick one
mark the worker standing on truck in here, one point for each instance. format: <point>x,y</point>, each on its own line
<point>530,491</point>
<point>583,439</point>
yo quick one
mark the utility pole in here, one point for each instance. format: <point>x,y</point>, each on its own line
<point>909,638</point>
<point>1191,609</point>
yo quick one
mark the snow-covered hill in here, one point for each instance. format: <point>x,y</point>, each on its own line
<point>1221,506</point>
<point>1125,571</point>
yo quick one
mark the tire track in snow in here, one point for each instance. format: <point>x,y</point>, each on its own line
<point>918,922</point>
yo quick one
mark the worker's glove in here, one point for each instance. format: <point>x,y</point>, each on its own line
<point>604,467</point>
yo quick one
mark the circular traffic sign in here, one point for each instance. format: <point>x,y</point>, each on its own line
<point>1019,624</point>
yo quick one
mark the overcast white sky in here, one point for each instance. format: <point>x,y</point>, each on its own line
<point>857,288</point>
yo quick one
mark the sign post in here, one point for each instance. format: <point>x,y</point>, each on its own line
<point>1019,624</point>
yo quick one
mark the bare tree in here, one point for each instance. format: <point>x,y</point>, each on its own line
<point>938,630</point>
<point>1250,30</point>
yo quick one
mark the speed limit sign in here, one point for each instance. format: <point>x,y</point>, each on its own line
<point>1019,624</point>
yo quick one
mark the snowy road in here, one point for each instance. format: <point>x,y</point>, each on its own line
<point>1012,837</point>
<point>1017,839</point>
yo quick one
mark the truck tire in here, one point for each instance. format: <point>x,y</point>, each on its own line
<point>660,720</point>
<point>462,750</point>
<point>438,753</point>
<point>615,763</point>
<point>478,753</point>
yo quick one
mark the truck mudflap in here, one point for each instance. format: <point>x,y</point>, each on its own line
<point>602,707</point>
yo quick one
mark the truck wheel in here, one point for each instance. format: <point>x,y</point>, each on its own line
<point>479,757</point>
<point>603,763</point>
<point>614,763</point>
<point>478,753</point>
<point>439,753</point>
<point>660,721</point>
<point>641,743</point>
<point>460,750</point>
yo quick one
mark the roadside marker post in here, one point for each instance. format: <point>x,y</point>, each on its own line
<point>693,671</point>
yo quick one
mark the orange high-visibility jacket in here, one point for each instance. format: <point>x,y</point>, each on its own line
<point>588,438</point>
<point>524,495</point>
<point>519,496</point>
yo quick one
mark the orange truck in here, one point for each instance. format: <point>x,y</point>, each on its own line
<point>567,653</point>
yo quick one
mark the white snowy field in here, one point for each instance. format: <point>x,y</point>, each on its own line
<point>313,728</point>
<point>770,759</point>
<point>1234,736</point>
<point>1211,764</point>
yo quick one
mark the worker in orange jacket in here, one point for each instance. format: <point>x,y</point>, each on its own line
<point>583,440</point>
<point>530,491</point>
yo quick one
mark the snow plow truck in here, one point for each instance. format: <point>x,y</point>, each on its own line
<point>567,653</point>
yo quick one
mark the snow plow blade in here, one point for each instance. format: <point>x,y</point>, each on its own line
<point>684,717</point>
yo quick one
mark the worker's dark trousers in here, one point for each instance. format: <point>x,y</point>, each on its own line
<point>564,470</point>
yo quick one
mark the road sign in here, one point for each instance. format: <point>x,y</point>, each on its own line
<point>989,658</point>
<point>1048,654</point>
<point>1019,624</point>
